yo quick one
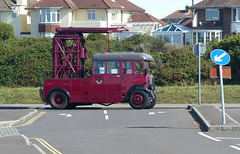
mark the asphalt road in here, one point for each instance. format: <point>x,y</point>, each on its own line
<point>98,131</point>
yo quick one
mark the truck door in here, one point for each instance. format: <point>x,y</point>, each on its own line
<point>139,76</point>
<point>113,81</point>
<point>99,82</point>
<point>126,76</point>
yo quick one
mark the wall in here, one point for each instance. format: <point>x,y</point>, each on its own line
<point>35,19</point>
<point>65,17</point>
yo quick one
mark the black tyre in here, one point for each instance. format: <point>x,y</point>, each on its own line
<point>151,104</point>
<point>138,99</point>
<point>58,100</point>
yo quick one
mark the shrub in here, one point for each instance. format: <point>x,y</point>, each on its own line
<point>6,31</point>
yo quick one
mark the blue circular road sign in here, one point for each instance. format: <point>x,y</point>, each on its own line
<point>220,57</point>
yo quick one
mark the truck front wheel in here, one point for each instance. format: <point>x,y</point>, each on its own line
<point>138,99</point>
<point>58,100</point>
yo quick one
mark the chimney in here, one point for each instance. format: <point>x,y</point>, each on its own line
<point>187,10</point>
<point>21,2</point>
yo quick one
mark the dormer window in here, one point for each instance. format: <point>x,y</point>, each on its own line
<point>212,14</point>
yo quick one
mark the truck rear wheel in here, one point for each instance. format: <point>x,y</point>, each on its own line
<point>138,99</point>
<point>58,100</point>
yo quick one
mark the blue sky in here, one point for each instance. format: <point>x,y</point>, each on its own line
<point>162,8</point>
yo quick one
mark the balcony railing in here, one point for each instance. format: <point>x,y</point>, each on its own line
<point>88,23</point>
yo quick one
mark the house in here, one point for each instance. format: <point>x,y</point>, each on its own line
<point>39,18</point>
<point>174,33</point>
<point>145,22</point>
<point>13,12</point>
<point>183,17</point>
<point>140,22</point>
<point>215,19</point>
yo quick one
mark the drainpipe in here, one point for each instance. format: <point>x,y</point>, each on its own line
<point>106,17</point>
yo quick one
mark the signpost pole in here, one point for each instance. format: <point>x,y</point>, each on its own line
<point>222,95</point>
<point>221,57</point>
<point>199,76</point>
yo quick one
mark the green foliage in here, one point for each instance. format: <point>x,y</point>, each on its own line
<point>6,31</point>
<point>232,46</point>
<point>96,36</point>
<point>23,60</point>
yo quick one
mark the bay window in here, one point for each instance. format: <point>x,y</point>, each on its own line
<point>49,16</point>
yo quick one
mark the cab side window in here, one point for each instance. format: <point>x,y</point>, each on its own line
<point>127,67</point>
<point>138,67</point>
<point>113,67</point>
<point>99,67</point>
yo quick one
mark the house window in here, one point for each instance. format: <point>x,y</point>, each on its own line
<point>212,14</point>
<point>49,16</point>
<point>114,15</point>
<point>91,14</point>
<point>236,15</point>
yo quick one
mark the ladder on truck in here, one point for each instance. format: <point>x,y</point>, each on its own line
<point>69,53</point>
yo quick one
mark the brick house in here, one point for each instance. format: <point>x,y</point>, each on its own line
<point>183,17</point>
<point>215,19</point>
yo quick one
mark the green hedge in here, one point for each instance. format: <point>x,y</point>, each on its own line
<point>23,60</point>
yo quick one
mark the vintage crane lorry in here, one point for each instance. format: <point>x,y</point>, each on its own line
<point>116,77</point>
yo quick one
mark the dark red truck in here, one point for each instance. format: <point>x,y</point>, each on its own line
<point>116,77</point>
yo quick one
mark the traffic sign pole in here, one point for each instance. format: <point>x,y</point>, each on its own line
<point>221,57</point>
<point>222,95</point>
<point>199,50</point>
<point>199,76</point>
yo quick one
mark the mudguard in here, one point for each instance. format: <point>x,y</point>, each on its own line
<point>136,87</point>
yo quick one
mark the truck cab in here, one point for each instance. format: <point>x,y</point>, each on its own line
<point>116,77</point>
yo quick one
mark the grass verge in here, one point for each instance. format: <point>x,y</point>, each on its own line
<point>167,95</point>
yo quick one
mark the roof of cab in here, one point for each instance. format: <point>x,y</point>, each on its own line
<point>122,56</point>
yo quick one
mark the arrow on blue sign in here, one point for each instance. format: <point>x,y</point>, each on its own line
<point>220,57</point>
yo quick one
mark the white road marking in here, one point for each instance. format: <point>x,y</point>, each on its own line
<point>235,147</point>
<point>228,138</point>
<point>105,111</point>
<point>62,114</point>
<point>151,113</point>
<point>106,117</point>
<point>209,137</point>
<point>68,116</point>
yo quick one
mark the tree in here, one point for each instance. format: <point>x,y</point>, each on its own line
<point>6,31</point>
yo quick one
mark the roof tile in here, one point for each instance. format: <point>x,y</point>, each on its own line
<point>144,17</point>
<point>216,4</point>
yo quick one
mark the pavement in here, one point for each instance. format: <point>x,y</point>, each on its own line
<point>209,116</point>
